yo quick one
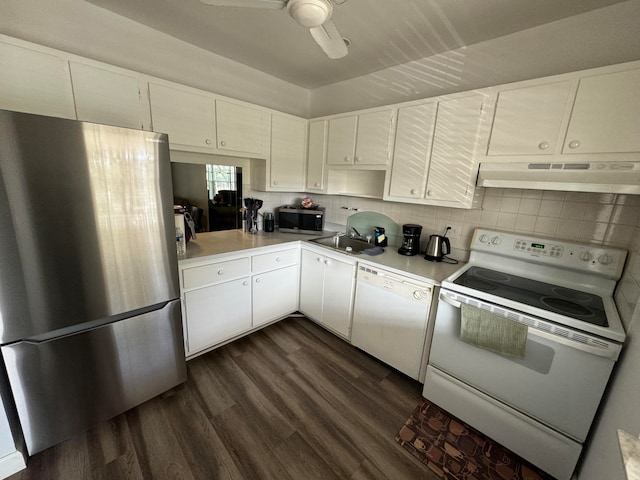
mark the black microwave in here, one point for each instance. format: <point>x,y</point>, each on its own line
<point>300,220</point>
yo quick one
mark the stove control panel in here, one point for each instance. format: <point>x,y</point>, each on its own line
<point>552,250</point>
<point>605,261</point>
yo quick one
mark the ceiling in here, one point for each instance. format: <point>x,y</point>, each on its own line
<point>383,33</point>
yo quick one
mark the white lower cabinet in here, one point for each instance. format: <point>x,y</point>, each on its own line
<point>227,296</point>
<point>326,289</point>
<point>217,313</point>
<point>274,285</point>
<point>274,294</point>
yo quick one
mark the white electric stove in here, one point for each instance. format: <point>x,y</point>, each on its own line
<point>540,406</point>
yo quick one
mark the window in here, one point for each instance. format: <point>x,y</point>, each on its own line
<point>220,177</point>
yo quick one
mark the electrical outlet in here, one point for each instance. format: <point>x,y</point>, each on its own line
<point>454,230</point>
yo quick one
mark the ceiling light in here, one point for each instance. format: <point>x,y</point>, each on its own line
<point>310,13</point>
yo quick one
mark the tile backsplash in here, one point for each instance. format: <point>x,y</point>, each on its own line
<point>601,219</point>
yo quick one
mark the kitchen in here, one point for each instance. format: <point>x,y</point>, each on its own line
<point>558,214</point>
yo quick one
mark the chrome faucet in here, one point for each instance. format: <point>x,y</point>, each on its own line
<point>355,233</point>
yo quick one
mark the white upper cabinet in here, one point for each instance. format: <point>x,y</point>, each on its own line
<point>606,115</point>
<point>412,151</point>
<point>360,139</point>
<point>186,116</point>
<point>454,163</point>
<point>316,156</point>
<point>112,98</point>
<point>288,152</point>
<point>35,82</point>
<point>342,140</point>
<point>528,120</point>
<point>373,138</point>
<point>241,128</point>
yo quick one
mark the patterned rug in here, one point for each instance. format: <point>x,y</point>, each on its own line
<point>454,451</point>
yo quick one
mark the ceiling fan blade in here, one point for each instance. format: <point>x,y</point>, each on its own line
<point>273,4</point>
<point>330,40</point>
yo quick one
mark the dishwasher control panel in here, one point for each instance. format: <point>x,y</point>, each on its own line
<point>391,282</point>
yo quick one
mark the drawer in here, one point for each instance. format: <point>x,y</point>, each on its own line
<point>270,261</point>
<point>215,273</point>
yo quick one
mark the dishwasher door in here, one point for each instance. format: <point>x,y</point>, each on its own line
<point>390,318</point>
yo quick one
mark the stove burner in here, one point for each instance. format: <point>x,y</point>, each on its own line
<point>492,275</point>
<point>479,284</point>
<point>552,298</point>
<point>567,307</point>
<point>570,294</point>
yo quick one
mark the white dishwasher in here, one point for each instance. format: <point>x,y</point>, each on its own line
<point>390,318</point>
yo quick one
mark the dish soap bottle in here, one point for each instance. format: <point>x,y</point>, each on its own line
<point>380,239</point>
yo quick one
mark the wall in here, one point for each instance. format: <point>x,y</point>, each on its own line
<point>605,219</point>
<point>84,29</point>
<point>601,37</point>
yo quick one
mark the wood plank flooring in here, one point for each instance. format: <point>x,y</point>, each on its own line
<point>291,401</point>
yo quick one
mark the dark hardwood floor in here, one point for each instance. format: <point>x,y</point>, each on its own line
<point>291,401</point>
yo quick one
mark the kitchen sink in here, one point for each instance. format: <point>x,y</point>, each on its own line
<point>343,244</point>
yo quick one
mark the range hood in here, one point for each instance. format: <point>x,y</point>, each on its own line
<point>602,177</point>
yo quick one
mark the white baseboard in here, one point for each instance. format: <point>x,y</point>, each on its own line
<point>12,463</point>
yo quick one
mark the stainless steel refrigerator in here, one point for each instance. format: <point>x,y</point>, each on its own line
<point>90,321</point>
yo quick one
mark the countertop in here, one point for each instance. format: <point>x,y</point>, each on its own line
<point>232,241</point>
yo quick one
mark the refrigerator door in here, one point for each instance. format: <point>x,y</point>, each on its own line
<point>64,386</point>
<point>86,224</point>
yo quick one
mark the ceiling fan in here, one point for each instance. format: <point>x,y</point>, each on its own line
<point>312,14</point>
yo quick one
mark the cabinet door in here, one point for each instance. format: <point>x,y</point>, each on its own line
<point>275,294</point>
<point>337,300</point>
<point>311,284</point>
<point>373,138</point>
<point>112,98</point>
<point>453,167</point>
<point>217,313</point>
<point>35,82</point>
<point>288,152</point>
<point>240,128</point>
<point>316,155</point>
<point>342,140</point>
<point>528,120</point>
<point>187,117</point>
<point>606,115</point>
<point>414,134</point>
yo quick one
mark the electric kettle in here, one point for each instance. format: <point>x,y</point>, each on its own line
<point>437,247</point>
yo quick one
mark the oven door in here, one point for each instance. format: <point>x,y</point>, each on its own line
<point>559,382</point>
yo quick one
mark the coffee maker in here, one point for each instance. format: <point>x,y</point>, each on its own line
<point>411,239</point>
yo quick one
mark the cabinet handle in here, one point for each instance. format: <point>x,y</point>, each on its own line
<point>245,283</point>
<point>414,191</point>
<point>221,272</point>
<point>277,259</point>
<point>275,182</point>
<point>327,262</point>
<point>357,159</point>
<point>543,145</point>
<point>346,159</point>
<point>574,144</point>
<point>258,280</point>
<point>429,192</point>
<point>208,141</point>
<point>317,184</point>
<point>223,143</point>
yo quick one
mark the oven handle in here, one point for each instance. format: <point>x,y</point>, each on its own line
<point>608,350</point>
